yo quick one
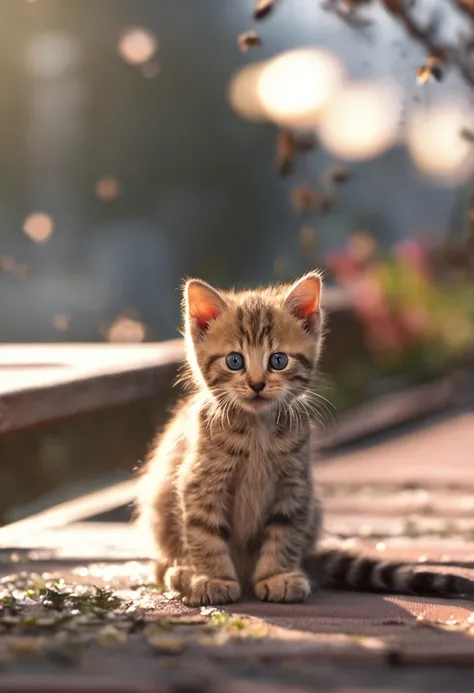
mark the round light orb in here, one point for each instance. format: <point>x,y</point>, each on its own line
<point>51,54</point>
<point>137,45</point>
<point>295,86</point>
<point>126,330</point>
<point>435,142</point>
<point>39,227</point>
<point>242,92</point>
<point>362,120</point>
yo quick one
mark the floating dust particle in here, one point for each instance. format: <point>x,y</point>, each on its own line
<point>362,245</point>
<point>126,330</point>
<point>137,45</point>
<point>307,240</point>
<point>325,201</point>
<point>107,188</point>
<point>304,198</point>
<point>7,263</point>
<point>61,322</point>
<point>279,266</point>
<point>248,39</point>
<point>380,546</point>
<point>263,8</point>
<point>151,69</point>
<point>39,227</point>
<point>22,271</point>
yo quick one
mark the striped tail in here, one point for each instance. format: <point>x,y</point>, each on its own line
<point>336,568</point>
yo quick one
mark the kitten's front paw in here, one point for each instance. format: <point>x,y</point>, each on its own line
<point>205,591</point>
<point>283,587</point>
<point>178,578</point>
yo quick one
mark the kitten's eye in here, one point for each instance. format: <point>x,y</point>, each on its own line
<point>234,361</point>
<point>278,361</point>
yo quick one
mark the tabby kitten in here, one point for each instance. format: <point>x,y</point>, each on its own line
<point>227,492</point>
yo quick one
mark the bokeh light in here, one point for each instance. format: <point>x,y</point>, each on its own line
<point>107,188</point>
<point>125,329</point>
<point>137,45</point>
<point>295,86</point>
<point>151,69</point>
<point>52,53</point>
<point>39,227</point>
<point>435,143</point>
<point>362,120</point>
<point>7,263</point>
<point>243,92</point>
<point>61,322</point>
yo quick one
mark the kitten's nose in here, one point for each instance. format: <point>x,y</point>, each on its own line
<point>257,387</point>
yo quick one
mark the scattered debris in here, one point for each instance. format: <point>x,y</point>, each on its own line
<point>263,8</point>
<point>248,39</point>
<point>285,152</point>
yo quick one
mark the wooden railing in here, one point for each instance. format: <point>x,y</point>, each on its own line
<point>76,416</point>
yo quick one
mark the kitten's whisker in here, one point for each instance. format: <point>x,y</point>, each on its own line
<point>324,399</point>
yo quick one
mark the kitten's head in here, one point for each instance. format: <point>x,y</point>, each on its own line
<point>254,349</point>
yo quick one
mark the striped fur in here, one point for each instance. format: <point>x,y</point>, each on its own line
<point>340,569</point>
<point>227,491</point>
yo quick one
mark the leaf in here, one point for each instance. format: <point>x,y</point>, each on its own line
<point>248,39</point>
<point>285,152</point>
<point>423,74</point>
<point>431,69</point>
<point>307,143</point>
<point>337,174</point>
<point>263,8</point>
<point>220,619</point>
<point>307,238</point>
<point>467,135</point>
<point>304,198</point>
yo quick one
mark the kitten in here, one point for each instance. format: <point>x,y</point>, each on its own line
<point>227,492</point>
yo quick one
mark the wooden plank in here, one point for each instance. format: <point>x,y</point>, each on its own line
<point>68,512</point>
<point>391,410</point>
<point>43,383</point>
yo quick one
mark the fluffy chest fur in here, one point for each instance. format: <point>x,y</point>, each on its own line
<point>254,486</point>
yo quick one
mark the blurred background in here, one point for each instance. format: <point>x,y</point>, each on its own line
<point>149,140</point>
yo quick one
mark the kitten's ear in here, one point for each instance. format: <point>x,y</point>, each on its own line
<point>304,297</point>
<point>202,305</point>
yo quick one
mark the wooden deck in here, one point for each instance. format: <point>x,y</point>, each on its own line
<point>41,383</point>
<point>405,496</point>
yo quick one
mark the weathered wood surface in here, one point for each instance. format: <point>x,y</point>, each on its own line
<point>407,496</point>
<point>40,383</point>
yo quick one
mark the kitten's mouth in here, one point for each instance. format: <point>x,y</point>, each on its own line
<point>258,401</point>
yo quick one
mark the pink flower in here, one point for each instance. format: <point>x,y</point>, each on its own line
<point>413,253</point>
<point>414,321</point>
<point>342,264</point>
